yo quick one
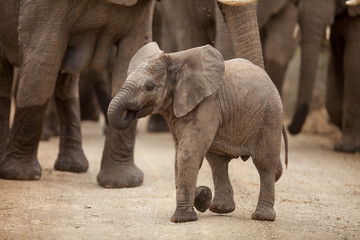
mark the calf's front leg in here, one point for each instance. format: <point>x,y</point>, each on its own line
<point>187,165</point>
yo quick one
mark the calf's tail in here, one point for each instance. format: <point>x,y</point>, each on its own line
<point>286,145</point>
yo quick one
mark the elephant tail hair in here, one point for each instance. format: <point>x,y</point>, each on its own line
<point>286,145</point>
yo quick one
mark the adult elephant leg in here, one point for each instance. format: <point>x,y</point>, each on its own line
<point>335,79</point>
<point>118,169</point>
<point>20,161</point>
<point>103,94</point>
<point>280,44</point>
<point>88,106</point>
<point>244,31</point>
<point>117,164</point>
<point>350,138</point>
<point>314,17</point>
<point>51,123</point>
<point>71,156</point>
<point>6,77</point>
<point>20,157</point>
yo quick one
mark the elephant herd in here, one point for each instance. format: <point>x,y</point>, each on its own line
<point>52,42</point>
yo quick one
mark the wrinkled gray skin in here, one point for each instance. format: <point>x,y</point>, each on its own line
<point>221,110</point>
<point>277,20</point>
<point>43,37</point>
<point>343,84</point>
<point>180,25</point>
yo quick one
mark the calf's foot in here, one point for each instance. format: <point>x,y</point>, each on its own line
<point>184,215</point>
<point>264,214</point>
<point>222,205</point>
<point>203,198</point>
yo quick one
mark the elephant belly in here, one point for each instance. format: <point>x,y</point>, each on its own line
<point>235,142</point>
<point>79,52</point>
<point>228,150</point>
<point>94,35</point>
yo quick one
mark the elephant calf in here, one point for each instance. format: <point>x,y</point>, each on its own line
<point>221,110</point>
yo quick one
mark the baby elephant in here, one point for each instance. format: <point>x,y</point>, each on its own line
<point>214,109</point>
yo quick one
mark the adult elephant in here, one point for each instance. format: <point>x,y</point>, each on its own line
<point>51,42</point>
<point>277,21</point>
<point>192,23</point>
<point>344,73</point>
<point>181,25</point>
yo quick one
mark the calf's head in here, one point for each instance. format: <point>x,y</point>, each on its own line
<point>157,81</point>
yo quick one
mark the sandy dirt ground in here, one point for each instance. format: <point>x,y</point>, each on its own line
<point>318,196</point>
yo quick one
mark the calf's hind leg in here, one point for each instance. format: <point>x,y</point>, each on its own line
<point>265,207</point>
<point>223,201</point>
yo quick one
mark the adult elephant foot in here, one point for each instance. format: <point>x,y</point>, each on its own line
<point>264,214</point>
<point>157,123</point>
<point>346,145</point>
<point>120,176</point>
<point>19,161</point>
<point>71,157</point>
<point>16,169</point>
<point>72,161</point>
<point>118,169</point>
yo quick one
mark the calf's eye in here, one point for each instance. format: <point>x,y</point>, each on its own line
<point>149,87</point>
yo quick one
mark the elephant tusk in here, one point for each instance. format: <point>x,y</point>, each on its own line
<point>124,2</point>
<point>237,2</point>
<point>327,33</point>
<point>296,31</point>
<point>352,2</point>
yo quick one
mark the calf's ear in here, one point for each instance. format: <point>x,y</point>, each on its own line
<point>148,50</point>
<point>198,74</point>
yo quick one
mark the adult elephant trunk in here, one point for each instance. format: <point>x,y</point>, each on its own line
<point>120,114</point>
<point>244,31</point>
<point>314,17</point>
